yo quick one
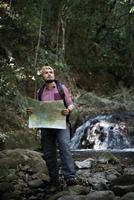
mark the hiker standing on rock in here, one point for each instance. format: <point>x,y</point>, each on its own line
<point>53,90</point>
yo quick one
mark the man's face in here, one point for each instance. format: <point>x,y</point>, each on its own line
<point>48,75</point>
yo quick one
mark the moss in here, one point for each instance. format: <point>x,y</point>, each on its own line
<point>23,138</point>
<point>108,157</point>
<point>18,158</point>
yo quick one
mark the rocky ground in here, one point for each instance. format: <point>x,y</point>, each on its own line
<point>23,172</point>
<point>24,176</point>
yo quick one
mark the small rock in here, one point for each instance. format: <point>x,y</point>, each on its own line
<point>84,164</point>
<point>36,183</point>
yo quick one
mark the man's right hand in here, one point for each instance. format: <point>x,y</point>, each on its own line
<point>29,111</point>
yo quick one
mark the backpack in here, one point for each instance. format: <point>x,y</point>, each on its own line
<point>61,93</point>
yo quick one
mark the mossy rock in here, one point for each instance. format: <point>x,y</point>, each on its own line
<point>18,159</point>
<point>108,157</point>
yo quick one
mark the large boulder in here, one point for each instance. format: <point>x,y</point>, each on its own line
<point>22,173</point>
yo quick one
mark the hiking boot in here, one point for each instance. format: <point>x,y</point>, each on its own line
<point>50,189</point>
<point>71,181</point>
<point>53,187</point>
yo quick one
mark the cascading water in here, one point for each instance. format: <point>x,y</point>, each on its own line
<point>101,133</point>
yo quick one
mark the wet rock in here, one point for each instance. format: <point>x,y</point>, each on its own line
<point>121,190</point>
<point>32,198</point>
<point>72,197</point>
<point>101,195</point>
<point>11,177</point>
<point>100,186</point>
<point>112,174</point>
<point>78,190</point>
<point>99,181</point>
<point>129,170</point>
<point>126,179</point>
<point>108,157</point>
<point>20,185</point>
<point>111,177</point>
<point>128,196</point>
<point>7,196</point>
<point>36,183</point>
<point>6,187</point>
<point>84,164</point>
<point>123,184</point>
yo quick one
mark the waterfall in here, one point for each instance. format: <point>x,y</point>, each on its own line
<point>101,133</point>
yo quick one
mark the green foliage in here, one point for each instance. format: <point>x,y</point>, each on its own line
<point>97,31</point>
<point>98,41</point>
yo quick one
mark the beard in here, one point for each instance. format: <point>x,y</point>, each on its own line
<point>50,81</point>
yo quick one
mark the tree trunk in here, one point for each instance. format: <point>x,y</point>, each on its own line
<point>37,51</point>
<point>130,30</point>
<point>57,40</point>
<point>63,26</point>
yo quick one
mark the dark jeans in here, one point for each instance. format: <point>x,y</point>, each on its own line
<point>50,138</point>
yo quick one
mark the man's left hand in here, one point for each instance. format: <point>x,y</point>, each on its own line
<point>65,112</point>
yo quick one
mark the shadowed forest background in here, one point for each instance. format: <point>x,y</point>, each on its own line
<point>90,43</point>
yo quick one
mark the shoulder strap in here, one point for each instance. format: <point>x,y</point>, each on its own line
<point>62,94</point>
<point>40,92</point>
<point>61,91</point>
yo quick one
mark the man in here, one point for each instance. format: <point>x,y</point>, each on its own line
<point>51,137</point>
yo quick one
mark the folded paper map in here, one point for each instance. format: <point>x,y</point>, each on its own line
<point>47,114</point>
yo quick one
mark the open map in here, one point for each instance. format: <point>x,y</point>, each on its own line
<point>47,114</point>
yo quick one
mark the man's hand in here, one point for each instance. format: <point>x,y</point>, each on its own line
<point>29,111</point>
<point>65,112</point>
